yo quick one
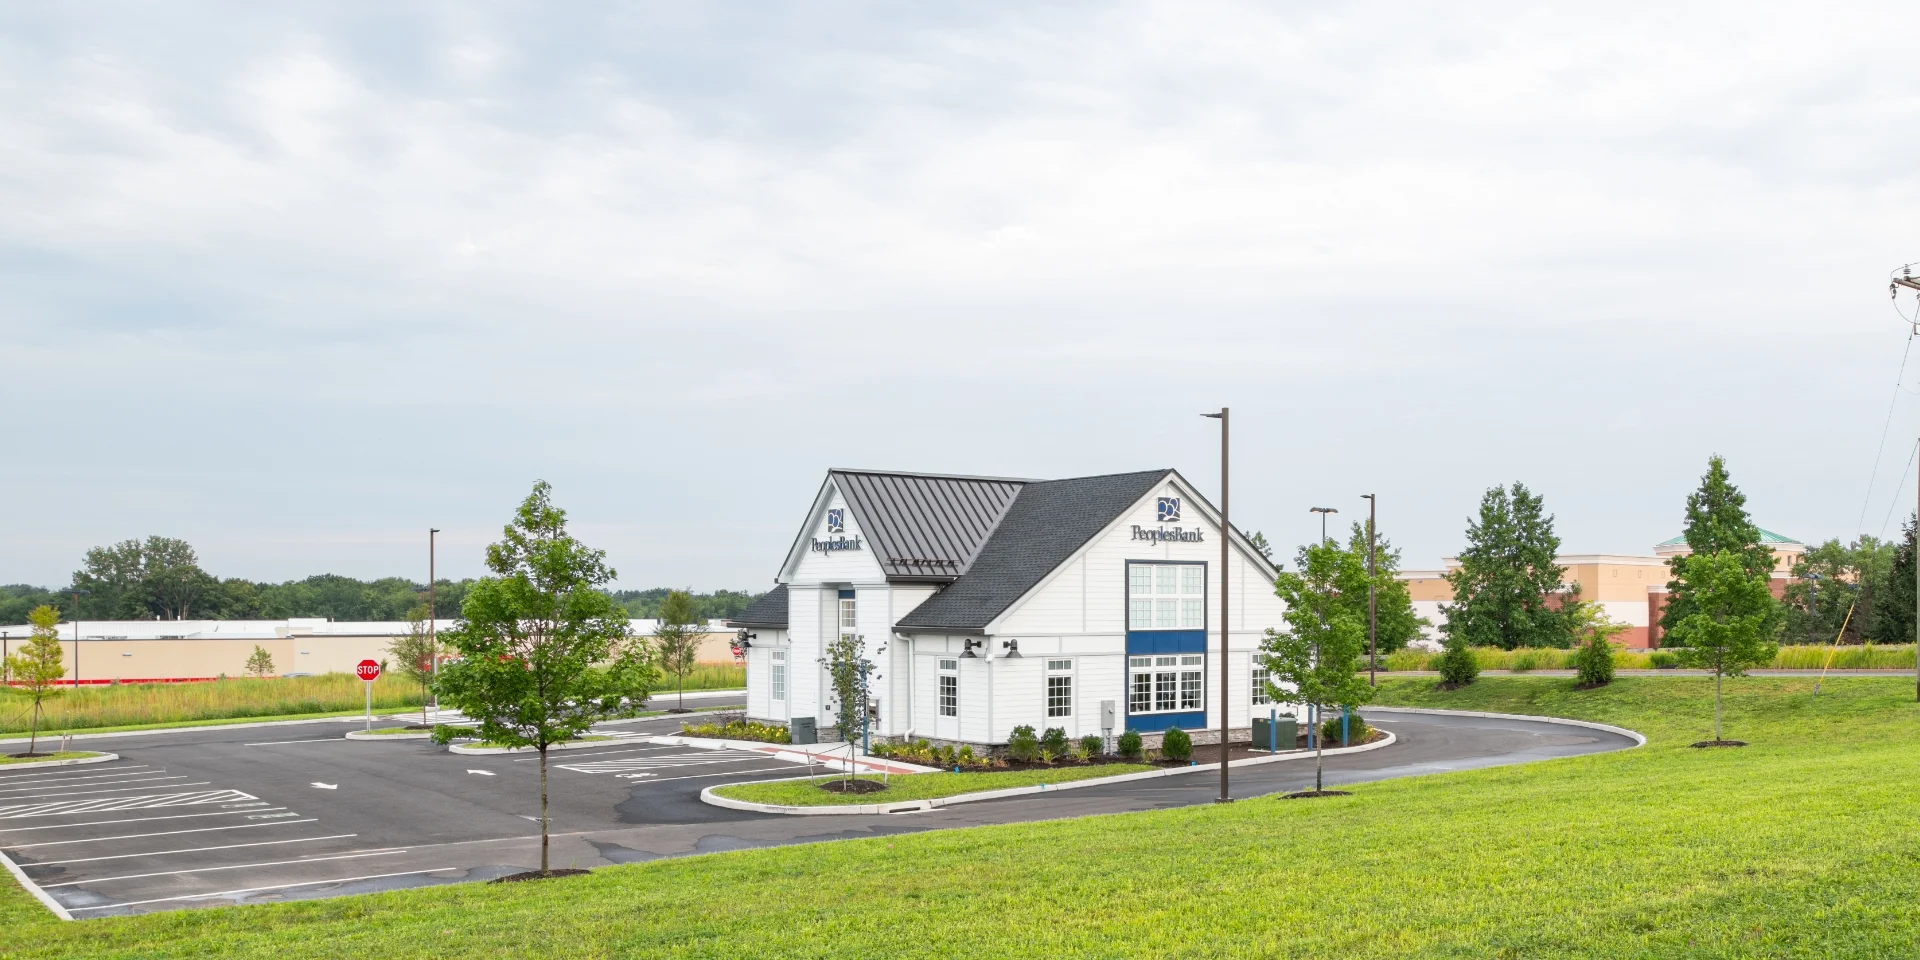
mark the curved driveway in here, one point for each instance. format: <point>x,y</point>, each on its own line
<point>245,814</point>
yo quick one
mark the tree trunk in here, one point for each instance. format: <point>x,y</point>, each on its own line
<point>681,694</point>
<point>1716,705</point>
<point>543,808</point>
<point>1319,752</point>
<point>34,737</point>
<point>423,705</point>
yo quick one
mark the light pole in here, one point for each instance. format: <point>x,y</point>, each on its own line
<point>1906,279</point>
<point>1373,653</point>
<point>433,615</point>
<point>77,594</point>
<point>1226,534</point>
<point>1323,511</point>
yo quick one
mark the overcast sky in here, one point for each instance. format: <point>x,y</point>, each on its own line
<point>296,283</point>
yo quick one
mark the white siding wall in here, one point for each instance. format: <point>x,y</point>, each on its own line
<point>760,702</point>
<point>900,701</point>
<point>838,566</point>
<point>803,673</point>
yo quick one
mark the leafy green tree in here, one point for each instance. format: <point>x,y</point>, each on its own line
<point>676,641</point>
<point>1395,623</point>
<point>544,652</point>
<point>113,581</point>
<point>1842,582</point>
<point>1893,607</point>
<point>718,605</point>
<point>1593,656</point>
<point>1733,621</point>
<point>37,666</point>
<point>1507,579</point>
<point>260,664</point>
<point>1457,665</point>
<point>1716,522</point>
<point>1314,660</point>
<point>18,599</point>
<point>1258,541</point>
<point>415,652</point>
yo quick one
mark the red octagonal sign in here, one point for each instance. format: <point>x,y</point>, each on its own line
<point>367,670</point>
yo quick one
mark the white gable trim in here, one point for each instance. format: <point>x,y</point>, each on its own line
<point>814,515</point>
<point>1207,511</point>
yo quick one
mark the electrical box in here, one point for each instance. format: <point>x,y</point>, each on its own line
<point>1106,715</point>
<point>803,730</point>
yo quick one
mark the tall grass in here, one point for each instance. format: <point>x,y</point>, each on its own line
<point>708,676</point>
<point>1800,657</point>
<point>137,703</point>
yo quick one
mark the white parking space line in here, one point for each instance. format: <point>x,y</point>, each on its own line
<point>112,804</point>
<point>722,773</point>
<point>275,743</point>
<point>163,853</point>
<point>8,793</point>
<point>611,753</point>
<point>237,866</point>
<point>278,886</point>
<point>116,772</point>
<point>652,763</point>
<point>82,793</point>
<point>163,833</point>
<point>102,823</point>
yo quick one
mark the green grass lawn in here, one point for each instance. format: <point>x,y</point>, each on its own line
<point>6,759</point>
<point>98,709</point>
<point>918,786</point>
<point>1802,845</point>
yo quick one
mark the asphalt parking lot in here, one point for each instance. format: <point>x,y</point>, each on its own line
<point>267,813</point>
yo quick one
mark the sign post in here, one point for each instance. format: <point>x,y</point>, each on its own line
<point>368,670</point>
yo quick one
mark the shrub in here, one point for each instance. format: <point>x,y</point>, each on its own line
<point>1457,665</point>
<point>946,755</point>
<point>965,756</point>
<point>1661,660</point>
<point>444,734</point>
<point>739,730</point>
<point>1176,745</point>
<point>1356,729</point>
<point>1022,744</point>
<point>1091,745</point>
<point>1130,744</point>
<point>1594,661</point>
<point>1054,741</point>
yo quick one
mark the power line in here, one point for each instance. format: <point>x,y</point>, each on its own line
<point>1881,450</point>
<point>1896,500</point>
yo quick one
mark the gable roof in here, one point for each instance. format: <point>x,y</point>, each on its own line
<point>925,526</point>
<point>767,611</point>
<point>1047,523</point>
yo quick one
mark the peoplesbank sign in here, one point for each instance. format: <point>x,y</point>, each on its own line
<point>1168,509</point>
<point>836,523</point>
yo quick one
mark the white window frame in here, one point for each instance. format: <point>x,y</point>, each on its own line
<point>1166,596</point>
<point>1166,683</point>
<point>777,675</point>
<point>849,613</point>
<point>1059,691</point>
<point>947,689</point>
<point>1258,681</point>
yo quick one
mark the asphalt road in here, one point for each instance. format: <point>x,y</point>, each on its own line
<point>263,813</point>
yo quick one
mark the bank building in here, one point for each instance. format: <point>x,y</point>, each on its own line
<point>987,603</point>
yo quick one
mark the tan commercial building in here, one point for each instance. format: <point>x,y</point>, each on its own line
<point>1631,588</point>
<point>172,651</point>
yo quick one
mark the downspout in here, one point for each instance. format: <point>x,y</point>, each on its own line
<point>911,674</point>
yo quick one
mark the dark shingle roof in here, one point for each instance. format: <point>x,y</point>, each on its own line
<point>1047,522</point>
<point>925,526</point>
<point>768,611</point>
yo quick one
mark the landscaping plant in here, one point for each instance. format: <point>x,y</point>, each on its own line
<point>1507,575</point>
<point>1130,744</point>
<point>37,665</point>
<point>1716,523</point>
<point>1313,661</point>
<point>417,651</point>
<point>544,651</point>
<point>676,641</point>
<point>1022,745</point>
<point>1593,658</point>
<point>1356,729</point>
<point>1733,619</point>
<point>1176,744</point>
<point>1054,740</point>
<point>1457,664</point>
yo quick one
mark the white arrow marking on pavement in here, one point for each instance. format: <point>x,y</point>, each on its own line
<point>483,773</point>
<point>326,786</point>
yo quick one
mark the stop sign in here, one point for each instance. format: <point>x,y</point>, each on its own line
<point>367,670</point>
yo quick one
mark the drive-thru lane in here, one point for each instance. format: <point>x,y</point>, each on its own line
<point>223,815</point>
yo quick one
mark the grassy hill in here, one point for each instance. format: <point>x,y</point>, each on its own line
<point>1804,844</point>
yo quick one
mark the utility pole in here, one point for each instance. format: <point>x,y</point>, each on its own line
<point>1226,535</point>
<point>1905,279</point>
<point>76,638</point>
<point>1373,653</point>
<point>433,614</point>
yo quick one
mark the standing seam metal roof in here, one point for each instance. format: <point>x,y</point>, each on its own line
<point>926,526</point>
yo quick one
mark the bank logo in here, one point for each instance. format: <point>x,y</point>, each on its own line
<point>1169,510</point>
<point>837,520</point>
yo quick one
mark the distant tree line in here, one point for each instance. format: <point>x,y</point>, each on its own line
<point>161,578</point>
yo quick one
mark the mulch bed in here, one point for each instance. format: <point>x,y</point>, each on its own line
<point>418,726</point>
<point>1202,753</point>
<point>536,875</point>
<point>1719,743</point>
<point>853,786</point>
<point>1307,794</point>
<point>28,756</point>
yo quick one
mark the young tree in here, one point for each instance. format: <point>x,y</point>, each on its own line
<point>677,640</point>
<point>37,665</point>
<point>1506,576</point>
<point>1315,660</point>
<point>544,653</point>
<point>260,664</point>
<point>1593,657</point>
<point>850,675</point>
<point>1733,620</point>
<point>1716,522</point>
<point>415,652</point>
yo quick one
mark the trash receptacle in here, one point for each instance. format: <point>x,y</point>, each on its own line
<point>1267,732</point>
<point>802,730</point>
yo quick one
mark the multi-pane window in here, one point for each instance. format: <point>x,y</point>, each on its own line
<point>849,623</point>
<point>1166,596</point>
<point>949,688</point>
<point>779,675</point>
<point>1260,675</point>
<point>1166,684</point>
<point>1059,688</point>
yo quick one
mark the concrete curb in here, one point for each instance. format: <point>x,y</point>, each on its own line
<point>920,806</point>
<point>41,895</point>
<point>465,750</point>
<point>784,751</point>
<point>1638,740</point>
<point>414,735</point>
<point>76,761</point>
